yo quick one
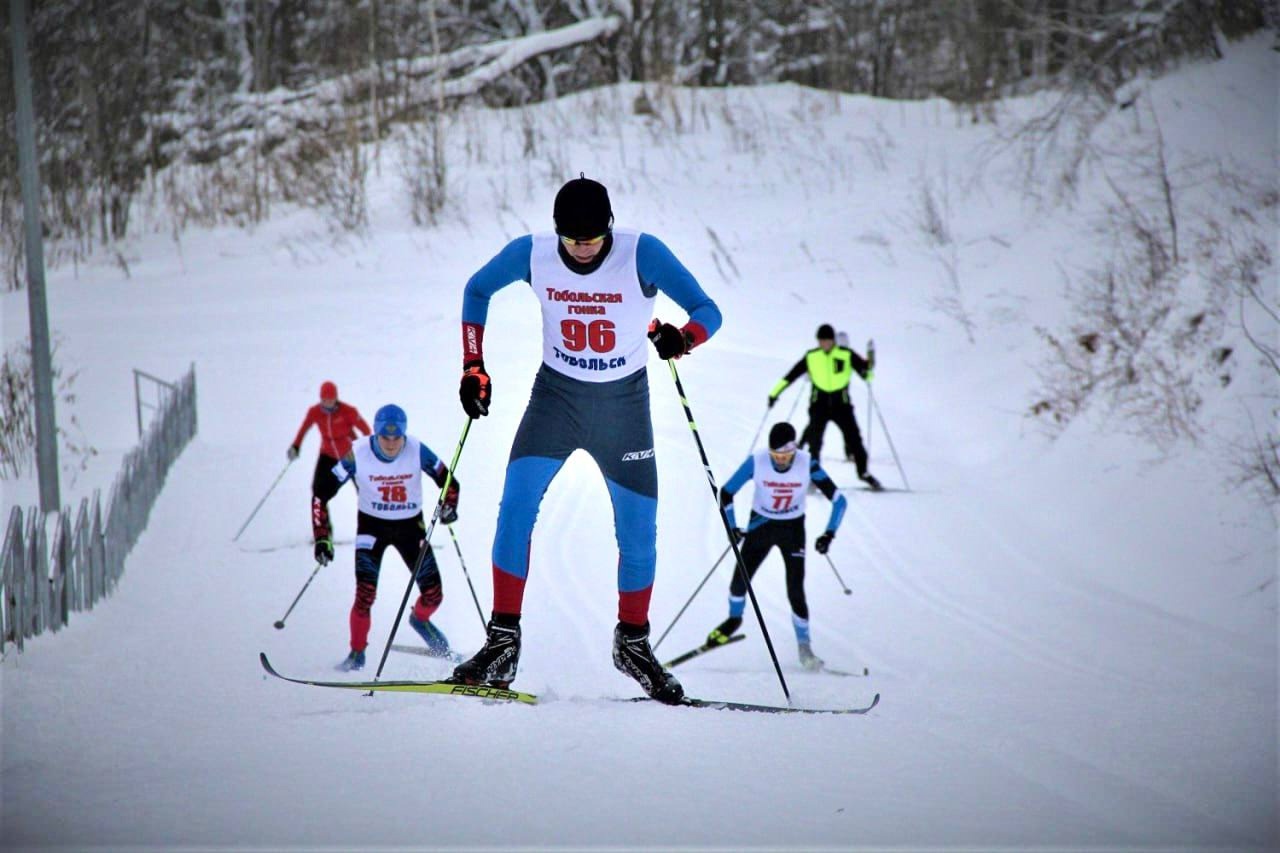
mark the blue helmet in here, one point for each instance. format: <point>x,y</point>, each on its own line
<point>390,421</point>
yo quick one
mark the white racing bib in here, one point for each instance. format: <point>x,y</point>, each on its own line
<point>390,490</point>
<point>594,327</point>
<point>780,496</point>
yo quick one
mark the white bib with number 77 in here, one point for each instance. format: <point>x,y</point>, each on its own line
<point>594,326</point>
<point>780,495</point>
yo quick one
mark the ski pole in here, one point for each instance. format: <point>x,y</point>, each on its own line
<point>756,437</point>
<point>275,483</point>
<point>871,364</point>
<point>893,449</point>
<point>465,573</point>
<point>314,572</point>
<point>846,589</point>
<point>728,529</point>
<point>796,401</point>
<point>691,598</point>
<point>426,549</point>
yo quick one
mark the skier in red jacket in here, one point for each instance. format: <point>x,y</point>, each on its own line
<point>337,422</point>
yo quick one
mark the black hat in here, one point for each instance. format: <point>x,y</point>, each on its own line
<point>781,435</point>
<point>826,333</point>
<point>582,209</point>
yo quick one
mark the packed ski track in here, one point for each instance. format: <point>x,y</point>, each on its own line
<point>1074,642</point>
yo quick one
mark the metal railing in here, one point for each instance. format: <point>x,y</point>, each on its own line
<point>40,586</point>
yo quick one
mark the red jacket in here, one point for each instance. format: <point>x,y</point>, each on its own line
<point>337,428</point>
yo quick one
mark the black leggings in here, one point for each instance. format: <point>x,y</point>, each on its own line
<point>324,485</point>
<point>375,535</point>
<point>789,537</point>
<point>826,407</point>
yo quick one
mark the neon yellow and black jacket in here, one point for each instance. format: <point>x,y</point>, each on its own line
<point>829,372</point>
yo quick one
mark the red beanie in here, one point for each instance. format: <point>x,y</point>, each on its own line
<point>328,391</point>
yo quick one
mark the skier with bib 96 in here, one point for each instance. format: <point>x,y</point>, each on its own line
<point>387,470</point>
<point>781,476</point>
<point>596,285</point>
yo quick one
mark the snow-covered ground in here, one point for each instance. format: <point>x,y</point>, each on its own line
<point>1075,642</point>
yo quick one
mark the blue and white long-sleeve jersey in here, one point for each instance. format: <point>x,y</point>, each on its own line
<point>757,468</point>
<point>657,269</point>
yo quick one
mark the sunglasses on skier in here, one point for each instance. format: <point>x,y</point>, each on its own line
<point>593,241</point>
<point>782,457</point>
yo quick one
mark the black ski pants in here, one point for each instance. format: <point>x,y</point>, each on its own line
<point>324,485</point>
<point>762,536</point>
<point>833,406</point>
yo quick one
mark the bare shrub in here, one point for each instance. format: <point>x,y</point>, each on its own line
<point>18,415</point>
<point>1155,335</point>
<point>424,169</point>
<point>931,222</point>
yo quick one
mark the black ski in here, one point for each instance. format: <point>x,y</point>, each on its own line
<point>442,688</point>
<point>303,543</point>
<point>829,671</point>
<point>869,489</point>
<point>702,650</point>
<point>718,705</point>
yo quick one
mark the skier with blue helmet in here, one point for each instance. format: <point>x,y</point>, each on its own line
<point>387,470</point>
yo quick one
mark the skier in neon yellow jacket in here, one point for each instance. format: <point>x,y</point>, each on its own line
<point>830,368</point>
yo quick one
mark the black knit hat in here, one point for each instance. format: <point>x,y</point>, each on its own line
<point>826,333</point>
<point>582,209</point>
<point>781,434</point>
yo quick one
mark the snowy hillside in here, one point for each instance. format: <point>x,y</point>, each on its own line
<point>1074,641</point>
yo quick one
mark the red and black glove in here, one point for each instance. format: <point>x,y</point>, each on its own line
<point>669,341</point>
<point>476,389</point>
<point>449,510</point>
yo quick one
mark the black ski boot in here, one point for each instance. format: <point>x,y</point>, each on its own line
<point>495,663</point>
<point>721,634</point>
<point>872,483</point>
<point>633,656</point>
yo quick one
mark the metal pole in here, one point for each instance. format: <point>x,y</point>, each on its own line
<point>28,170</point>
<point>270,489</point>
<point>885,428</point>
<point>467,575</point>
<point>426,549</point>
<point>728,530</point>
<point>714,566</point>
<point>846,589</point>
<point>137,400</point>
<point>280,622</point>
<point>871,365</point>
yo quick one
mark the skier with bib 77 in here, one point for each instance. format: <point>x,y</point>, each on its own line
<point>781,476</point>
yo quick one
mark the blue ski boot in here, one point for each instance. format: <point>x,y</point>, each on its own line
<point>354,661</point>
<point>437,642</point>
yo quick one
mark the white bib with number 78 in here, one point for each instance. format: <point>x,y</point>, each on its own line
<point>390,490</point>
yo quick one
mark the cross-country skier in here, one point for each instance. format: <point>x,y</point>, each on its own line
<point>781,475</point>
<point>387,470</point>
<point>830,367</point>
<point>596,285</point>
<point>337,422</point>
